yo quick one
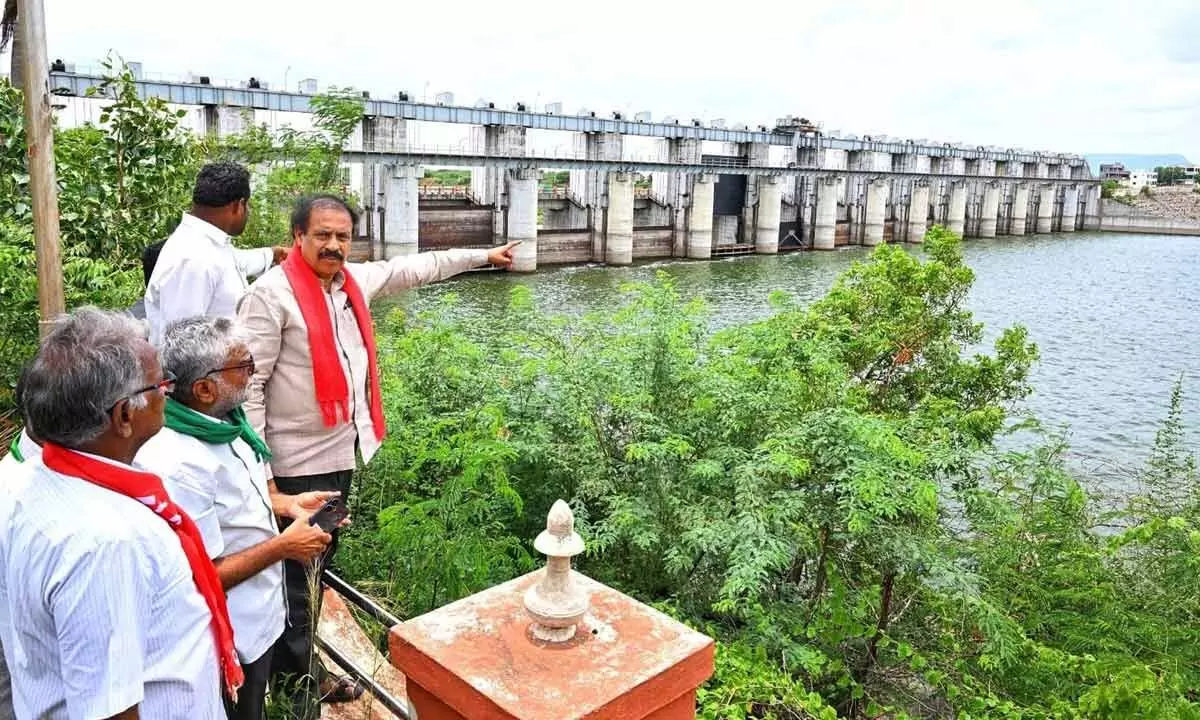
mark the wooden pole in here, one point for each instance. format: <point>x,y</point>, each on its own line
<point>39,139</point>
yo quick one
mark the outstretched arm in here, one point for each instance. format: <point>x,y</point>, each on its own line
<point>385,277</point>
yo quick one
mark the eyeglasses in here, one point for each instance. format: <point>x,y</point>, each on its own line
<point>166,386</point>
<point>247,364</point>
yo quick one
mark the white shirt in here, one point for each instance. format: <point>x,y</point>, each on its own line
<point>109,616</point>
<point>13,476</point>
<point>199,272</point>
<point>224,489</point>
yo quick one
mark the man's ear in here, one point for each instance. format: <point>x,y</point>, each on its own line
<point>121,418</point>
<point>205,390</point>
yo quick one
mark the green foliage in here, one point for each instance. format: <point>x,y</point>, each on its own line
<point>1108,189</point>
<point>290,163</point>
<point>448,178</point>
<point>555,178</point>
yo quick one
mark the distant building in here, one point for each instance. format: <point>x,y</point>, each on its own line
<point>1190,172</point>
<point>1113,171</point>
<point>1139,179</point>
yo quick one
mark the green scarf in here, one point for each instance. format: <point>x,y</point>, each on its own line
<point>183,419</point>
<point>15,449</point>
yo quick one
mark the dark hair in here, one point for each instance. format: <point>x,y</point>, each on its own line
<point>150,259</point>
<point>221,183</point>
<point>305,205</point>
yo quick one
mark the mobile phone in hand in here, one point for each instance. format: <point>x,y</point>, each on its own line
<point>331,514</point>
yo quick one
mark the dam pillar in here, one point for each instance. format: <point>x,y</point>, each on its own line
<point>918,212</point>
<point>825,225</point>
<point>1045,212</point>
<point>956,214</point>
<point>1020,209</point>
<point>673,188</point>
<point>757,155</point>
<point>1091,211</point>
<point>767,214</point>
<point>700,218</point>
<point>520,218</point>
<point>589,188</point>
<point>379,134</point>
<point>1070,212</point>
<point>877,197</point>
<point>489,184</point>
<point>618,220</point>
<point>990,210</point>
<point>401,202</point>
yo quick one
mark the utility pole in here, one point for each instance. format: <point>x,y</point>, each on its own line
<point>39,141</point>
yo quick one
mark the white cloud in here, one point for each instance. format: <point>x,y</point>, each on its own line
<point>1072,76</point>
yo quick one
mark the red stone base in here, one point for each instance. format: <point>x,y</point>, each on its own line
<point>430,708</point>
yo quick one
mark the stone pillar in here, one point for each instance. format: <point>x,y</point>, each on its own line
<point>956,216</point>
<point>825,226</point>
<point>991,209</point>
<point>1020,209</point>
<point>770,207</point>
<point>877,196</point>
<point>222,122</point>
<point>700,218</point>
<point>918,213</point>
<point>590,188</point>
<point>1091,211</point>
<point>551,644</point>
<point>1070,208</point>
<point>756,155</point>
<point>401,201</point>
<point>618,221</point>
<point>384,134</point>
<point>522,218</point>
<point>489,184</point>
<point>1045,216</point>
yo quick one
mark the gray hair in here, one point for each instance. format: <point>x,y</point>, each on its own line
<point>194,347</point>
<point>88,363</point>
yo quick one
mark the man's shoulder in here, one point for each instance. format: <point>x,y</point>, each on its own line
<point>72,515</point>
<point>271,284</point>
<point>174,456</point>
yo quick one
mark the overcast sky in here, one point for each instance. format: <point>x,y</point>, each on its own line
<point>1067,75</point>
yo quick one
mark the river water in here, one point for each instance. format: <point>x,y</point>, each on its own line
<point>1116,317</point>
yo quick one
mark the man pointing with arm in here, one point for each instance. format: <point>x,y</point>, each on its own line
<point>315,394</point>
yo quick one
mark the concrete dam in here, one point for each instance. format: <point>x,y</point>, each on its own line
<point>712,190</point>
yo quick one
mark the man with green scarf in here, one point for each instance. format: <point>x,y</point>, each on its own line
<point>213,466</point>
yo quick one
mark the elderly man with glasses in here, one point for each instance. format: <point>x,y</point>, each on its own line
<point>212,463</point>
<point>109,607</point>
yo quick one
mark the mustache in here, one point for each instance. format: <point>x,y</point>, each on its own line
<point>332,254</point>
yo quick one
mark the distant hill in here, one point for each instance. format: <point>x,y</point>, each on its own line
<point>1132,161</point>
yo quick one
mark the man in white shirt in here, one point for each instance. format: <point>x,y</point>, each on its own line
<point>212,464</point>
<point>102,615</point>
<point>23,449</point>
<point>198,271</point>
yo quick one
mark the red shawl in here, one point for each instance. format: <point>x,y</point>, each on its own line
<point>329,380</point>
<point>148,489</point>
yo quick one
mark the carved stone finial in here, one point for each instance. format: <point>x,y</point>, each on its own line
<point>555,602</point>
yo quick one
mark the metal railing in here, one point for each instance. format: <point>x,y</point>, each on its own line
<point>349,593</point>
<point>444,192</point>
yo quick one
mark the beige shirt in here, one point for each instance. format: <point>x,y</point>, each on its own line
<point>282,404</point>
